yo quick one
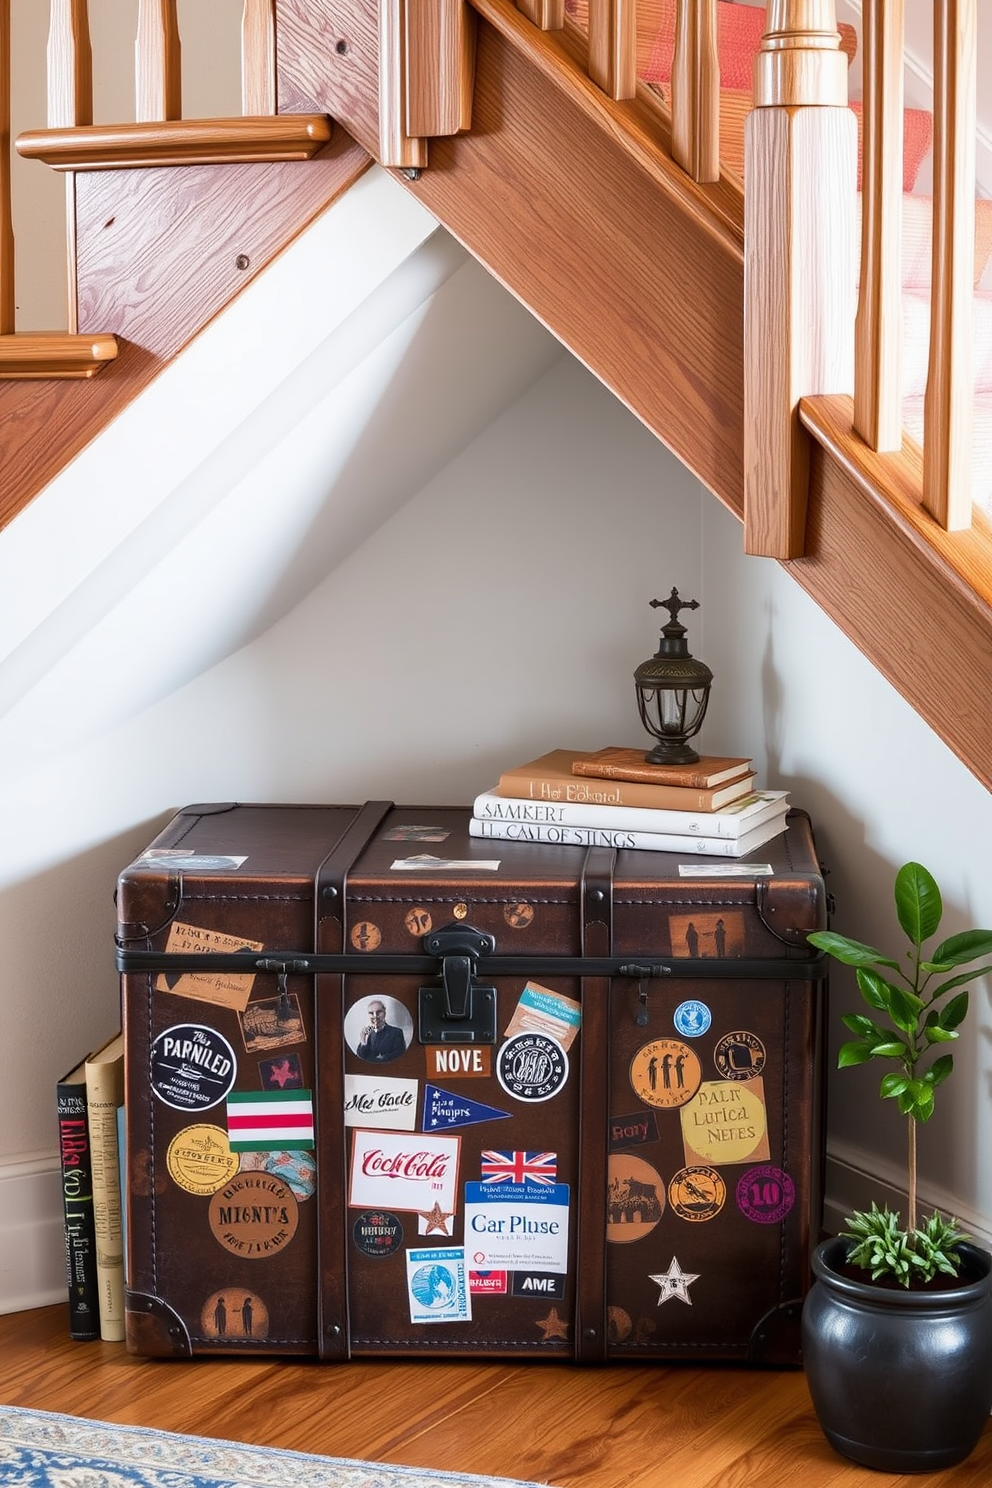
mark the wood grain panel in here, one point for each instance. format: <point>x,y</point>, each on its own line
<point>158,257</point>
<point>622,1426</point>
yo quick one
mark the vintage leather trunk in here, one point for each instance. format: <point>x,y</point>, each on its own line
<point>585,1124</point>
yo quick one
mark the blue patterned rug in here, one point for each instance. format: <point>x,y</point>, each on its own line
<point>39,1449</point>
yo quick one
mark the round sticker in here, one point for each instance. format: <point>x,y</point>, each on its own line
<point>739,1055</point>
<point>618,1324</point>
<point>725,1122</point>
<point>435,1287</point>
<point>378,1029</point>
<point>192,1067</point>
<point>518,916</point>
<point>419,921</point>
<point>697,1194</point>
<point>377,1233</point>
<point>532,1066</point>
<point>635,1198</point>
<point>200,1160</point>
<point>254,1216</point>
<point>665,1073</point>
<point>234,1313</point>
<point>365,936</point>
<point>765,1194</point>
<point>692,1018</point>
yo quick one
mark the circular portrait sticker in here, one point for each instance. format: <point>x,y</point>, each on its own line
<point>635,1198</point>
<point>378,1029</point>
<point>192,1067</point>
<point>665,1073</point>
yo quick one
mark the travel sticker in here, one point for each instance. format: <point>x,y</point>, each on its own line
<point>444,1109</point>
<point>228,989</point>
<point>517,1227</point>
<point>416,833</point>
<point>538,1284</point>
<point>675,1283</point>
<point>378,1100</point>
<point>272,1022</point>
<point>739,1055</point>
<point>418,921</point>
<point>553,1326</point>
<point>665,1073</point>
<point>254,1216</point>
<point>518,916</point>
<point>634,1130</point>
<point>284,1073</point>
<point>765,1194</point>
<point>692,1018</point>
<point>267,1120</point>
<point>437,1285</point>
<point>697,1194</point>
<point>635,1198</point>
<point>532,1067</point>
<point>519,1167</point>
<point>437,1222</point>
<point>487,1283</point>
<point>192,1067</point>
<point>539,1010</point>
<point>365,936</point>
<point>178,858</point>
<point>725,1123</point>
<point>393,1170</point>
<point>377,1233</point>
<point>428,863</point>
<point>200,1160</point>
<point>618,1325</point>
<point>707,934</point>
<point>378,1029</point>
<point>234,1312</point>
<point>298,1169</point>
<point>459,1061</point>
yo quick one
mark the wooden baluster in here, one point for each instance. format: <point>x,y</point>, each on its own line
<point>396,146</point>
<point>878,328</point>
<point>6,215</point>
<point>696,90</point>
<point>70,104</point>
<point>440,61</point>
<point>158,75</point>
<point>613,46</point>
<point>948,410</point>
<point>800,155</point>
<point>258,59</point>
<point>548,14</point>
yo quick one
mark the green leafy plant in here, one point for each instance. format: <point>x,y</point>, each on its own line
<point>923,1010</point>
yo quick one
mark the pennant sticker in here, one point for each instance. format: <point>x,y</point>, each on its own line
<point>443,1109</point>
<point>269,1120</point>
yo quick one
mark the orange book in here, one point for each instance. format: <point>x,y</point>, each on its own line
<point>552,778</point>
<point>614,763</point>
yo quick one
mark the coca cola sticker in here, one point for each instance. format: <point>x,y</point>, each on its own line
<point>405,1171</point>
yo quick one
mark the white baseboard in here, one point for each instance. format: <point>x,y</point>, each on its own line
<point>849,1185</point>
<point>32,1246</point>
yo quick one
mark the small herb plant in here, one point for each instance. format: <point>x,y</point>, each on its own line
<point>924,1008</point>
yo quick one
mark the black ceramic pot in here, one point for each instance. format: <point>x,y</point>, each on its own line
<point>901,1380</point>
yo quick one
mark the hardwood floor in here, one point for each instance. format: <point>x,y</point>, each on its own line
<point>616,1427</point>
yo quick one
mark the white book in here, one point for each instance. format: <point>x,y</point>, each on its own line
<point>733,822</point>
<point>673,842</point>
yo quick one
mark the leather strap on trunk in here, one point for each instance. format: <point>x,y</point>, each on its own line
<point>330,936</point>
<point>594,1106</point>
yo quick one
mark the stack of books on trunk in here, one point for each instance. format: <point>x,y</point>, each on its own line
<point>613,798</point>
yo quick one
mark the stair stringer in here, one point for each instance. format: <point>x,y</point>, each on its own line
<point>572,202</point>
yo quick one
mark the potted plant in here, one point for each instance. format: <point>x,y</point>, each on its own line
<point>897,1327</point>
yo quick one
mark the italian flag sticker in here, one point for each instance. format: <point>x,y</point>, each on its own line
<point>272,1120</point>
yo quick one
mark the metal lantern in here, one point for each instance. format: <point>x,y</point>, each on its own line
<point>673,689</point>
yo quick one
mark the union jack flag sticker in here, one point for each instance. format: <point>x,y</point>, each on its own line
<point>520,1167</point>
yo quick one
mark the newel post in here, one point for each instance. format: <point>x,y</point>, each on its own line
<point>800,172</point>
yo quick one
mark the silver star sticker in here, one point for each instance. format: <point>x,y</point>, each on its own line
<point>675,1283</point>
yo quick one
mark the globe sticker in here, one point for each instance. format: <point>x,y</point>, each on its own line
<point>437,1284</point>
<point>665,1073</point>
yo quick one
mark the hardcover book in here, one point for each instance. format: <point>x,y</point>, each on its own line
<point>564,836</point>
<point>77,1205</point>
<point>104,1093</point>
<point>551,778</point>
<point>613,763</point>
<point>732,822</point>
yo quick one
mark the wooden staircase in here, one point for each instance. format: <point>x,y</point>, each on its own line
<point>572,200</point>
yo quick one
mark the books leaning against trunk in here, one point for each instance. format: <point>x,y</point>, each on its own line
<point>603,827</point>
<point>104,1093</point>
<point>77,1205</point>
<point>551,778</point>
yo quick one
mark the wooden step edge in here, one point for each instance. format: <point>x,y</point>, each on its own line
<point>178,142</point>
<point>34,358</point>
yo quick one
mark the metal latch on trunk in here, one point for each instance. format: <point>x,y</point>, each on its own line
<point>459,1010</point>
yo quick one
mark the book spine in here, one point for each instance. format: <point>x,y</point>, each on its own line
<point>585,790</point>
<point>103,1098</point>
<point>565,836</point>
<point>77,1212</point>
<point>490,807</point>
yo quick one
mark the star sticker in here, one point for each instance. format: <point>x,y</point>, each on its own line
<point>437,1219</point>
<point>675,1283</point>
<point>553,1326</point>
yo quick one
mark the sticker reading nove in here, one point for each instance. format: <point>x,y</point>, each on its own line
<point>192,1067</point>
